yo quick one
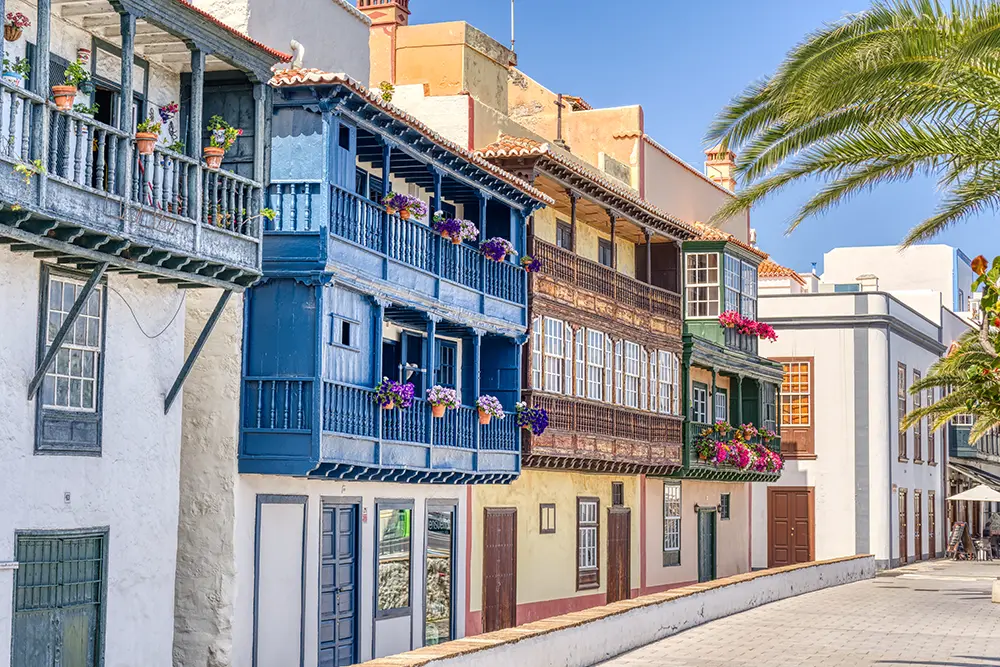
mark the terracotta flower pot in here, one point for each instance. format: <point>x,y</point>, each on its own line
<point>438,410</point>
<point>213,156</point>
<point>389,406</point>
<point>457,240</point>
<point>145,141</point>
<point>12,33</point>
<point>390,210</point>
<point>404,214</point>
<point>64,96</point>
<point>484,417</point>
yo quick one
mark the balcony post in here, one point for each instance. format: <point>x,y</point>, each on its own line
<point>125,152</point>
<point>39,80</point>
<point>711,416</point>
<point>614,244</point>
<point>477,345</point>
<point>649,255</point>
<point>739,399</point>
<point>386,169</point>
<point>438,242</point>
<point>432,321</point>
<point>380,305</point>
<point>195,123</point>
<point>484,197</point>
<point>573,197</point>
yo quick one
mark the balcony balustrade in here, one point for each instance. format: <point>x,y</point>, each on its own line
<point>741,342</point>
<point>365,223</point>
<point>701,469</point>
<point>587,274</point>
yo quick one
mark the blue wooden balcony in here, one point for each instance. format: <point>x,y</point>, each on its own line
<point>358,440</point>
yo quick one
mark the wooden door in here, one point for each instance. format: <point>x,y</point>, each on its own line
<point>903,554</point>
<point>791,526</point>
<point>619,553</point>
<point>338,586</point>
<point>931,525</point>
<point>918,525</point>
<point>500,569</point>
<point>706,545</point>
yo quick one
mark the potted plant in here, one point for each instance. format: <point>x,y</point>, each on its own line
<point>533,419</point>
<point>14,25</point>
<point>147,133</point>
<point>390,394</point>
<point>76,75</point>
<point>222,137</point>
<point>87,109</point>
<point>497,248</point>
<point>530,264</point>
<point>441,399</point>
<point>14,72</point>
<point>449,228</point>
<point>405,206</point>
<point>489,407</point>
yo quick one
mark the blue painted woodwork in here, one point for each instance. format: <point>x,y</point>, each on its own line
<point>336,260</point>
<point>338,586</point>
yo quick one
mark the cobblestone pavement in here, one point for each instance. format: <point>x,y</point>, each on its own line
<point>930,614</point>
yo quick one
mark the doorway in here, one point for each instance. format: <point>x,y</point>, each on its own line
<point>903,552</point>
<point>500,569</point>
<point>706,544</point>
<point>439,588</point>
<point>619,553</point>
<point>791,527</point>
<point>338,613</point>
<point>918,525</point>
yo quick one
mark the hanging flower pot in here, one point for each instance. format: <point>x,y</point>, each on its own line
<point>145,142</point>
<point>441,398</point>
<point>389,406</point>
<point>489,407</point>
<point>64,96</point>
<point>438,410</point>
<point>484,417</point>
<point>405,214</point>
<point>11,32</point>
<point>14,25</point>
<point>456,240</point>
<point>213,156</point>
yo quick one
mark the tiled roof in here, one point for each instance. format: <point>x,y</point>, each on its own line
<point>288,78</point>
<point>771,269</point>
<point>283,57</point>
<point>511,147</point>
<point>708,233</point>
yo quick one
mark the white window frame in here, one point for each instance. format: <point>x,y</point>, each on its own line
<point>644,379</point>
<point>554,351</point>
<point>633,374</point>
<point>748,292</point>
<point>619,367</point>
<point>700,406</point>
<point>595,364</point>
<point>587,529</point>
<point>83,343</point>
<point>701,285</point>
<point>568,359</point>
<point>666,381</point>
<point>720,405</point>
<point>654,383</point>
<point>609,369</point>
<point>536,353</point>
<point>672,520</point>
<point>677,383</point>
<point>732,278</point>
<point>581,362</point>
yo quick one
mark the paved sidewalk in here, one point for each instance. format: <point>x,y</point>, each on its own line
<point>932,614</point>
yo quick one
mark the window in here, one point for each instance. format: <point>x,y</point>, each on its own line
<point>547,518</point>
<point>665,374</point>
<point>748,292</point>
<point>741,286</point>
<point>644,379</point>
<point>609,362</point>
<point>632,374</point>
<point>918,431</point>
<point>595,364</point>
<point>724,502</point>
<point>447,362</point>
<point>702,292</point>
<point>770,409</point>
<point>605,252</point>
<point>564,235</point>
<point>961,301</point>
<point>676,388</point>
<point>671,523</point>
<point>581,362</point>
<point>394,545</point>
<point>931,445</point>
<point>699,403</point>
<point>536,353</point>
<point>617,494</point>
<point>344,332</point>
<point>618,372</point>
<point>654,383</point>
<point>795,390</point>
<point>721,405</point>
<point>568,358</point>
<point>587,569</point>
<point>59,592</point>
<point>553,355</point>
<point>733,280</point>
<point>901,407</point>
<point>71,382</point>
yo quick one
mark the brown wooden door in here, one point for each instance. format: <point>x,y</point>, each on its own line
<point>903,555</point>
<point>619,553</point>
<point>931,525</point>
<point>500,569</point>
<point>918,525</point>
<point>791,525</point>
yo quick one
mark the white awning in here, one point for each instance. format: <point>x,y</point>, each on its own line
<point>981,493</point>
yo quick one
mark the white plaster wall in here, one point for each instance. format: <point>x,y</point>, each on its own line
<point>247,490</point>
<point>918,267</point>
<point>593,642</point>
<point>449,115</point>
<point>132,487</point>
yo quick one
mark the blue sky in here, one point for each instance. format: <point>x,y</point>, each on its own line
<point>683,61</point>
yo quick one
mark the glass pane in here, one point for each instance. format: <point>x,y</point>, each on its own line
<point>62,391</point>
<point>394,558</point>
<point>440,540</point>
<point>62,362</point>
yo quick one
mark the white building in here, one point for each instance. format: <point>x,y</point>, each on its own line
<point>851,349</point>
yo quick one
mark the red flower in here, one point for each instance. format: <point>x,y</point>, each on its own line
<point>979,265</point>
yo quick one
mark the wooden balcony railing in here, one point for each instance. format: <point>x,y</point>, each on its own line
<point>587,274</point>
<point>609,420</point>
<point>742,342</point>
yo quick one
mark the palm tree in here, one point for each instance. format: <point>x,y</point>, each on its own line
<point>907,87</point>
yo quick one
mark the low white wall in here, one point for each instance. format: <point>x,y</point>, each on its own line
<point>592,642</point>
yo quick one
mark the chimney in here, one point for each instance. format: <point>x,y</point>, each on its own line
<point>386,16</point>
<point>868,282</point>
<point>720,165</point>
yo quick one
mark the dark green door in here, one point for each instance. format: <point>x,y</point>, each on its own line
<point>706,545</point>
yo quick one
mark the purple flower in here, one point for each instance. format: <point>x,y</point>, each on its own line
<point>490,405</point>
<point>530,264</point>
<point>438,395</point>
<point>496,249</point>
<point>535,419</point>
<point>449,227</point>
<point>398,394</point>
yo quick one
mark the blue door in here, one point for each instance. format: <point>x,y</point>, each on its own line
<point>338,595</point>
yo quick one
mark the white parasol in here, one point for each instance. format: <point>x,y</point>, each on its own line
<point>981,493</point>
